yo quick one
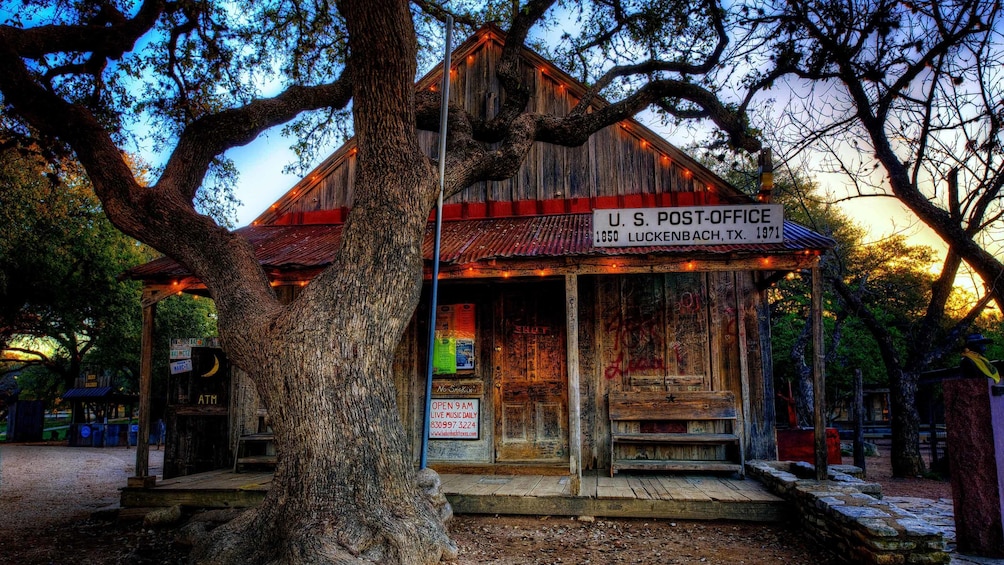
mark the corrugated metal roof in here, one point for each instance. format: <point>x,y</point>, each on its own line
<point>295,247</point>
<point>91,392</point>
<point>96,393</point>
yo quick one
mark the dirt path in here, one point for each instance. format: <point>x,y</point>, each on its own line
<point>42,485</point>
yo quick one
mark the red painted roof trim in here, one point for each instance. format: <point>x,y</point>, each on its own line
<point>523,208</point>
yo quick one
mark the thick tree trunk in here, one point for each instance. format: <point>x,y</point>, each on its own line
<point>345,489</point>
<point>804,395</point>
<point>906,458</point>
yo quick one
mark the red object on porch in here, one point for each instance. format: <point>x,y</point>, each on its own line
<point>799,445</point>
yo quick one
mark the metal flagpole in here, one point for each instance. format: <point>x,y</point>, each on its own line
<point>443,115</point>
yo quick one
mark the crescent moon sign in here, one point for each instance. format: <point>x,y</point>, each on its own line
<point>216,367</point>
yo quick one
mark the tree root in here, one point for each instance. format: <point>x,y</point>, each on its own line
<point>274,534</point>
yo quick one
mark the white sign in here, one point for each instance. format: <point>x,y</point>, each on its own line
<point>181,366</point>
<point>181,353</point>
<point>455,418</point>
<point>178,343</point>
<point>688,225</point>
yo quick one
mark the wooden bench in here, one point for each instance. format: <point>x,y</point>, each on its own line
<point>256,450</point>
<point>705,422</point>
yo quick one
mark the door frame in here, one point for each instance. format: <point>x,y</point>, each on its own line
<point>502,344</point>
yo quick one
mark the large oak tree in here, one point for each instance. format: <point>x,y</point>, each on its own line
<point>84,75</point>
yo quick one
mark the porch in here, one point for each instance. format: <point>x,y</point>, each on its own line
<point>680,497</point>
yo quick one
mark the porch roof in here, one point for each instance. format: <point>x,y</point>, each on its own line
<point>313,246</point>
<point>98,394</point>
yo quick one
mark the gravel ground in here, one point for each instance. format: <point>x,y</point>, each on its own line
<point>52,497</point>
<point>42,485</point>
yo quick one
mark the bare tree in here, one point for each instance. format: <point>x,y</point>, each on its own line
<point>900,95</point>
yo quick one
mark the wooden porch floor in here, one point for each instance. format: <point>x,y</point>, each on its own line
<point>683,497</point>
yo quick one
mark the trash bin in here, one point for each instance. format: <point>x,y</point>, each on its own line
<point>82,435</point>
<point>97,435</point>
<point>112,435</point>
<point>133,433</point>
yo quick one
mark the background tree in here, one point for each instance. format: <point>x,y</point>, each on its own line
<point>791,321</point>
<point>899,95</point>
<point>59,262</point>
<point>81,73</point>
<point>888,313</point>
<point>64,311</point>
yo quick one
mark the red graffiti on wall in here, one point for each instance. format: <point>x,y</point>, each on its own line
<point>618,368</point>
<point>644,338</point>
<point>689,303</point>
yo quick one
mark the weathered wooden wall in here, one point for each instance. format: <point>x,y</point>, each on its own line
<point>245,406</point>
<point>622,159</point>
<point>673,331</point>
<point>199,427</point>
<point>676,331</point>
<point>759,403</point>
<point>479,451</point>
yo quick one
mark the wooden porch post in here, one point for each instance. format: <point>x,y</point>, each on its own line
<point>744,429</point>
<point>142,477</point>
<point>572,362</point>
<point>818,377</point>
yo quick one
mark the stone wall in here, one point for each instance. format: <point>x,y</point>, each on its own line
<point>847,515</point>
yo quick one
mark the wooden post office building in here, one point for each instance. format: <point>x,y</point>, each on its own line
<point>602,309</point>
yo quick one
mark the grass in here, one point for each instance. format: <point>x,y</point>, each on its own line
<point>58,424</point>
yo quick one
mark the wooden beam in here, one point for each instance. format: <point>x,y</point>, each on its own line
<point>446,467</point>
<point>818,376</point>
<point>154,293</point>
<point>752,511</point>
<point>574,400</point>
<point>145,382</point>
<point>682,405</point>
<point>745,402</point>
<point>778,265</point>
<point>621,265</point>
<point>207,498</point>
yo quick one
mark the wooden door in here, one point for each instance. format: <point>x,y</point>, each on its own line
<point>531,383</point>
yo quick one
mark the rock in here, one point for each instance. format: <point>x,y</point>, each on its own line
<point>217,517</point>
<point>163,517</point>
<point>191,533</point>
<point>430,483</point>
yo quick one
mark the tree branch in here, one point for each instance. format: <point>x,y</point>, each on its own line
<point>208,137</point>
<point>111,41</point>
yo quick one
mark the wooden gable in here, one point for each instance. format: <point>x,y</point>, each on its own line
<point>623,164</point>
